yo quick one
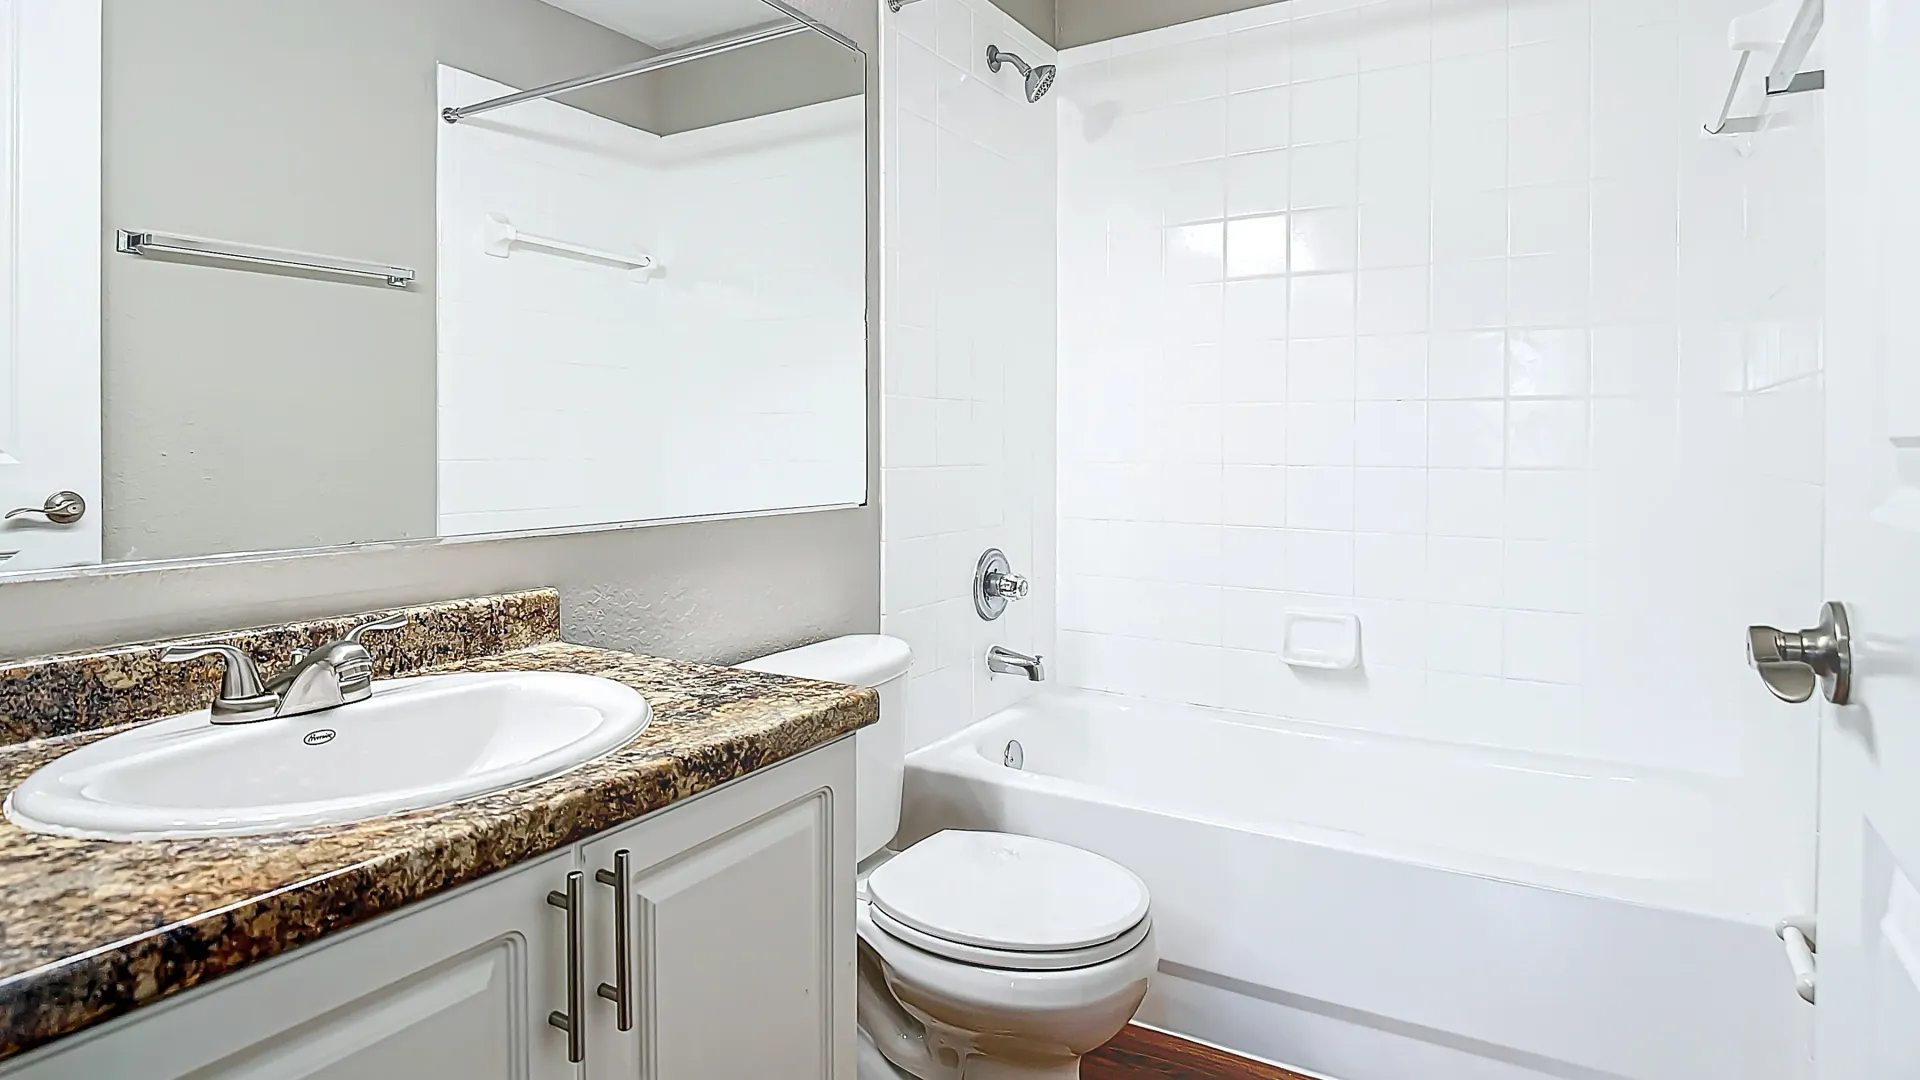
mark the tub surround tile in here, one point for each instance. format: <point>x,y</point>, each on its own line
<point>51,696</point>
<point>95,929</point>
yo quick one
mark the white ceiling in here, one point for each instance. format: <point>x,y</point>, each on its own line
<point>669,24</point>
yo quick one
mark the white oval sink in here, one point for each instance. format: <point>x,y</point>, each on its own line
<point>416,743</point>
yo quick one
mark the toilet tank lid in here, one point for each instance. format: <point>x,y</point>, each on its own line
<point>861,660</point>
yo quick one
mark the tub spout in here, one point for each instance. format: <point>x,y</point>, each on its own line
<point>1003,661</point>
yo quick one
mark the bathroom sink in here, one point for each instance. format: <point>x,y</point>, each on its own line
<point>416,743</point>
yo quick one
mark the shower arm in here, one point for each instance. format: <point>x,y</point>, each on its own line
<point>997,56</point>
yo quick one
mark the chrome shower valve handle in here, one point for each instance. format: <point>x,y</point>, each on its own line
<point>1008,586</point>
<point>995,584</point>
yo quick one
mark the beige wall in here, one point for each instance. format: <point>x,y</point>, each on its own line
<point>1080,22</point>
<point>1035,15</point>
<point>1066,23</point>
<point>789,73</point>
<point>716,590</point>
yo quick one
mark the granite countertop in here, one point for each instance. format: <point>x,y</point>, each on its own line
<point>94,929</point>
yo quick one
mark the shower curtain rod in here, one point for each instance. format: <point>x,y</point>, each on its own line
<point>652,63</point>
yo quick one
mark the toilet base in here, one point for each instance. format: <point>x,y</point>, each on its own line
<point>941,1020</point>
<point>873,1065</point>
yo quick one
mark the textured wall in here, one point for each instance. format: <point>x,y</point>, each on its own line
<point>710,590</point>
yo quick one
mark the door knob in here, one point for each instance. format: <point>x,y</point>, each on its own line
<point>62,508</point>
<point>1793,664</point>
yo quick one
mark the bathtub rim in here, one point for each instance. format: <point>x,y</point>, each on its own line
<point>1749,899</point>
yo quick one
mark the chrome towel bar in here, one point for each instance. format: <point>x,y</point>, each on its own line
<point>153,243</point>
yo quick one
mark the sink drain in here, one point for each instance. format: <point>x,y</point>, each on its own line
<point>1016,756</point>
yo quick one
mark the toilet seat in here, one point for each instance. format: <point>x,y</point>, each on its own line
<point>1006,959</point>
<point>1012,902</point>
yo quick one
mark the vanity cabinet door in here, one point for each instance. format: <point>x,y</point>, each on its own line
<point>452,989</point>
<point>740,922</point>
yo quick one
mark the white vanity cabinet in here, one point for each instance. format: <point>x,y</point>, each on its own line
<point>737,909</point>
<point>449,988</point>
<point>739,958</point>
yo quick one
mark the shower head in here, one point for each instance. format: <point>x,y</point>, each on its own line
<point>1039,79</point>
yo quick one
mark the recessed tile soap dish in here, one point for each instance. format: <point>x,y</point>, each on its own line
<point>1325,640</point>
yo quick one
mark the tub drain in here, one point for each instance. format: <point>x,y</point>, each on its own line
<point>1016,757</point>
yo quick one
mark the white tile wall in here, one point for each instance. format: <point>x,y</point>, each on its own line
<point>734,381</point>
<point>1444,313</point>
<point>969,378</point>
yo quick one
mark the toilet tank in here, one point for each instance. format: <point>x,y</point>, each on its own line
<point>865,660</point>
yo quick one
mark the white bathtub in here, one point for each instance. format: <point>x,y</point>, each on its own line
<point>1383,909</point>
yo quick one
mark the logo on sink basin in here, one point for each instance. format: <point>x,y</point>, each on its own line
<point>319,738</point>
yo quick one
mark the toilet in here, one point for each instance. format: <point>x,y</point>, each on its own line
<point>983,956</point>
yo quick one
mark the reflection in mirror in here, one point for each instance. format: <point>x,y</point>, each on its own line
<point>366,276</point>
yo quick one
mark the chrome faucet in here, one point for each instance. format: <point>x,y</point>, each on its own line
<point>1004,661</point>
<point>337,673</point>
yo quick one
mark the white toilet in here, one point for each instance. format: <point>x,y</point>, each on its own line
<point>982,955</point>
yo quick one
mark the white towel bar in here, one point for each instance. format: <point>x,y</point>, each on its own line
<point>1800,937</point>
<point>498,237</point>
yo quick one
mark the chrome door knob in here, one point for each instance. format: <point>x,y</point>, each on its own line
<point>1793,664</point>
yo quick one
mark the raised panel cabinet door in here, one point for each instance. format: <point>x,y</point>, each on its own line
<point>739,919</point>
<point>455,989</point>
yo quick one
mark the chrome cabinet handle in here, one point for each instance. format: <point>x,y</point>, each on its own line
<point>621,992</point>
<point>1792,664</point>
<point>573,1022</point>
<point>62,508</point>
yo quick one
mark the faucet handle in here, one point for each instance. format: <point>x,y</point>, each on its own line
<point>388,622</point>
<point>243,697</point>
<point>353,664</point>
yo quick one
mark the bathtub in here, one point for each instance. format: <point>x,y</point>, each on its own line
<point>1373,908</point>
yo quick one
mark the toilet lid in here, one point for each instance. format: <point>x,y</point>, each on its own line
<point>1010,893</point>
<point>1007,959</point>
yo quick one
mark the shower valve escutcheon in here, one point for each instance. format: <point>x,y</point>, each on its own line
<point>995,583</point>
<point>1793,664</point>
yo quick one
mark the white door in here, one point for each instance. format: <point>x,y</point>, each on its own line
<point>1867,1021</point>
<point>50,244</point>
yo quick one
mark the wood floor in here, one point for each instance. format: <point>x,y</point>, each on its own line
<point>1143,1054</point>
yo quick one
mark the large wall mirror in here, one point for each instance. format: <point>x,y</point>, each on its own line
<point>363,276</point>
